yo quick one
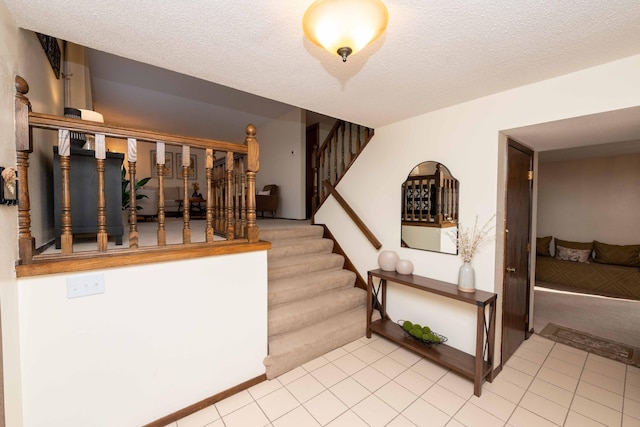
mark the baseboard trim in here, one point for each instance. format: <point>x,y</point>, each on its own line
<point>495,372</point>
<point>178,415</point>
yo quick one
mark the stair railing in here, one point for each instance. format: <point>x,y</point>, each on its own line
<point>354,217</point>
<point>230,193</point>
<point>335,155</point>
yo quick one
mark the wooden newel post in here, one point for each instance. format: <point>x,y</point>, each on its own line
<point>253,166</point>
<point>26,242</point>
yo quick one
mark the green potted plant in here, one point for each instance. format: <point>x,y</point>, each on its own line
<point>126,192</point>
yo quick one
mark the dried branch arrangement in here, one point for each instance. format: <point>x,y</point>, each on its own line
<point>469,240</point>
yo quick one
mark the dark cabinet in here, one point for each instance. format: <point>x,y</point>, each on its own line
<point>83,178</point>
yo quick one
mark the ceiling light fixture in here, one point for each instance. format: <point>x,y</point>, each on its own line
<point>345,26</point>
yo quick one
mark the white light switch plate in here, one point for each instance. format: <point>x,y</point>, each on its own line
<point>85,285</point>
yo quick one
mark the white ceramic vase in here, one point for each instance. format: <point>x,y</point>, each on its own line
<point>467,278</point>
<point>387,260</point>
<point>404,266</point>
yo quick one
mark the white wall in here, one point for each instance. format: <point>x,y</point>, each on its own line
<point>282,154</point>
<point>590,199</point>
<point>466,138</point>
<point>79,85</point>
<point>161,337</point>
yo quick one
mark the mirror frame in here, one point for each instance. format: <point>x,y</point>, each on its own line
<point>431,188</point>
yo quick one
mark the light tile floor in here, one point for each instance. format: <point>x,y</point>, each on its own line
<point>373,382</point>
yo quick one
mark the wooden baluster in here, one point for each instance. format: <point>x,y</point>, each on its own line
<point>343,156</point>
<point>26,242</point>
<point>416,199</point>
<point>218,171</point>
<point>314,165</point>
<point>439,193</point>
<point>449,213</point>
<point>210,160</point>
<point>229,199</point>
<point>162,232</point>
<point>215,195</point>
<point>221,208</point>
<point>455,199</point>
<point>101,155</point>
<point>335,161</point>
<point>132,154</point>
<point>64,151</point>
<point>323,175</point>
<point>350,144</point>
<point>253,166</point>
<point>186,199</point>
<point>405,204</point>
<point>341,151</point>
<point>236,198</point>
<point>358,142</point>
<point>243,198</point>
<point>329,158</point>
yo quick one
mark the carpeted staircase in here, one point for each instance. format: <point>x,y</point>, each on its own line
<point>313,304</point>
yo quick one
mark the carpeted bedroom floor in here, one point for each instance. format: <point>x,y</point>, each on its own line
<point>612,318</point>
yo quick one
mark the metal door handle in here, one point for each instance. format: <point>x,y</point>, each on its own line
<point>511,270</point>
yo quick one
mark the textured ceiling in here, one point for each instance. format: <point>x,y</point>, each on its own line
<point>434,54</point>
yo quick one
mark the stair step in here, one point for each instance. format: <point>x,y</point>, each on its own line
<point>291,289</point>
<point>308,231</point>
<point>300,314</point>
<point>290,350</point>
<point>300,246</point>
<point>304,264</point>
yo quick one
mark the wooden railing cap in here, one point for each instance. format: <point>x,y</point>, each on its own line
<point>22,87</point>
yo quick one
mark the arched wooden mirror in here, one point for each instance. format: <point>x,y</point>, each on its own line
<point>430,209</point>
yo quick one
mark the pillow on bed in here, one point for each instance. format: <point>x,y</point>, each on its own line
<point>264,193</point>
<point>627,255</point>
<point>570,254</point>
<point>573,245</point>
<point>542,246</point>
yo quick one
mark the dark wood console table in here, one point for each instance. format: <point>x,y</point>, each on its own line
<point>478,367</point>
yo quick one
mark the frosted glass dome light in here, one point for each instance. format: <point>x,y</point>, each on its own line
<point>345,26</point>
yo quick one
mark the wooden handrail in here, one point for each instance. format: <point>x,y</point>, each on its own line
<point>47,121</point>
<point>354,217</point>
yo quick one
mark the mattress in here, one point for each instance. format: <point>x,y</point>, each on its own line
<point>591,278</point>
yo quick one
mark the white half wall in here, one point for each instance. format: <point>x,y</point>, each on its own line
<point>162,337</point>
<point>466,138</point>
<point>282,154</point>
<point>590,199</point>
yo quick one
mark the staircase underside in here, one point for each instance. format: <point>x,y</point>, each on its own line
<point>314,306</point>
